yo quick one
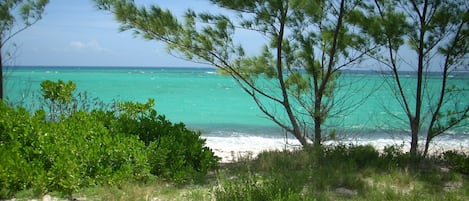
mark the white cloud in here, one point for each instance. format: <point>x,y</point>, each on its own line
<point>87,46</point>
<point>77,45</point>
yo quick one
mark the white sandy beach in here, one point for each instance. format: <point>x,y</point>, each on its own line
<point>231,148</point>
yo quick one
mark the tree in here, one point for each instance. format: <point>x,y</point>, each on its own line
<point>15,17</point>
<point>294,78</point>
<point>437,34</point>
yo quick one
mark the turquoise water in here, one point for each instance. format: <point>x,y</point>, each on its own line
<point>215,104</point>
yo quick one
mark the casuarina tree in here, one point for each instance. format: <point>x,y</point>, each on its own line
<point>15,17</point>
<point>294,77</point>
<point>431,39</point>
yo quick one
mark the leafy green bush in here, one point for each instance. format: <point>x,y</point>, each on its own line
<point>65,155</point>
<point>17,136</point>
<point>458,161</point>
<point>174,152</point>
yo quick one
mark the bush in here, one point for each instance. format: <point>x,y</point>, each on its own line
<point>359,156</point>
<point>458,161</point>
<point>174,152</point>
<point>394,157</point>
<point>65,155</point>
<point>65,148</point>
<point>250,187</point>
<point>17,135</point>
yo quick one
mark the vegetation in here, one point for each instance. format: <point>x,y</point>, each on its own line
<point>174,152</point>
<point>29,12</point>
<point>85,149</point>
<point>434,36</point>
<point>293,80</point>
<point>343,172</point>
<point>457,161</point>
<point>58,96</point>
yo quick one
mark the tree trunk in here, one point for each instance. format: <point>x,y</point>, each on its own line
<point>415,122</point>
<point>1,75</point>
<point>427,145</point>
<point>317,119</point>
<point>286,102</point>
<point>414,137</point>
<point>317,131</point>
<point>300,137</point>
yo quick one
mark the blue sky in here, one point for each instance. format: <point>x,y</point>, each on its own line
<point>75,33</point>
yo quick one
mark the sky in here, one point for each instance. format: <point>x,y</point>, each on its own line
<point>76,33</point>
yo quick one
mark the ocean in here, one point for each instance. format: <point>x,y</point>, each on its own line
<point>214,104</point>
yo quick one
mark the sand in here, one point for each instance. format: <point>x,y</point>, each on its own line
<point>230,149</point>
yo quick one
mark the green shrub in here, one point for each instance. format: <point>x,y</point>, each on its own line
<point>364,156</point>
<point>65,155</point>
<point>251,187</point>
<point>354,156</point>
<point>174,152</point>
<point>18,167</point>
<point>458,161</point>
<point>59,96</point>
<point>284,160</point>
<point>394,157</point>
<point>59,99</point>
<point>67,146</point>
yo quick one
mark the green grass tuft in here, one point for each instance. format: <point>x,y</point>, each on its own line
<point>343,172</point>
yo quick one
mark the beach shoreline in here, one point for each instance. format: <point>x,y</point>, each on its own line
<point>231,149</point>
